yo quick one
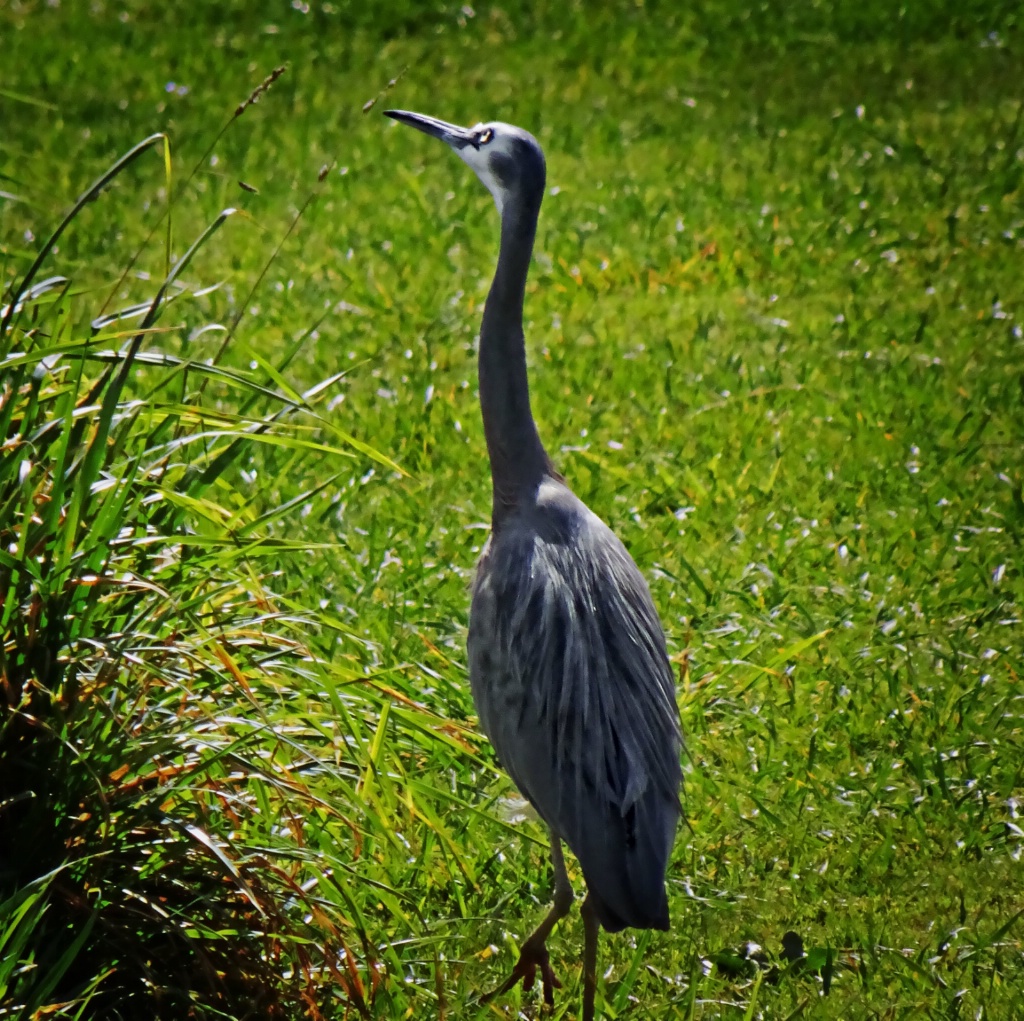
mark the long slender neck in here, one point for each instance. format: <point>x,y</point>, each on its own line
<point>518,459</point>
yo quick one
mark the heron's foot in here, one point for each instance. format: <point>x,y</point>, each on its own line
<point>533,957</point>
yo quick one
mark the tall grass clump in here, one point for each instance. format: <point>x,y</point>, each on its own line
<point>154,815</point>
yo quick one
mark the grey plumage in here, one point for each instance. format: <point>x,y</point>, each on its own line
<point>567,657</point>
<point>569,674</point>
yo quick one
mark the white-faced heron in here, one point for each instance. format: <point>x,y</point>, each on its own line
<point>567,658</point>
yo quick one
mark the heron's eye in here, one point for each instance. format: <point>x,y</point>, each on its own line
<point>485,136</point>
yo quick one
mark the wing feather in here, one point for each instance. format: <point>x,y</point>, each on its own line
<point>573,686</point>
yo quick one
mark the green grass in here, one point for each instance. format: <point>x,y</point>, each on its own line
<point>774,325</point>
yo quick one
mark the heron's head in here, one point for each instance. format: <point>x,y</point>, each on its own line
<point>507,159</point>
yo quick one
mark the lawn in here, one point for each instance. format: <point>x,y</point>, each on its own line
<point>775,325</point>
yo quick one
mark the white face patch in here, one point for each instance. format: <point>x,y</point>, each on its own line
<point>479,159</point>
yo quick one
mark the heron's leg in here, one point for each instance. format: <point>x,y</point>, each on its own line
<point>533,954</point>
<point>591,931</point>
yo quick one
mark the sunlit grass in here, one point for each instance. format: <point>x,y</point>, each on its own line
<point>774,331</point>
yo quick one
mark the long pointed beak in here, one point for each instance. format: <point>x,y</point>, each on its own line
<point>456,137</point>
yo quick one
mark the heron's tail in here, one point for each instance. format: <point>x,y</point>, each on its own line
<point>624,857</point>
